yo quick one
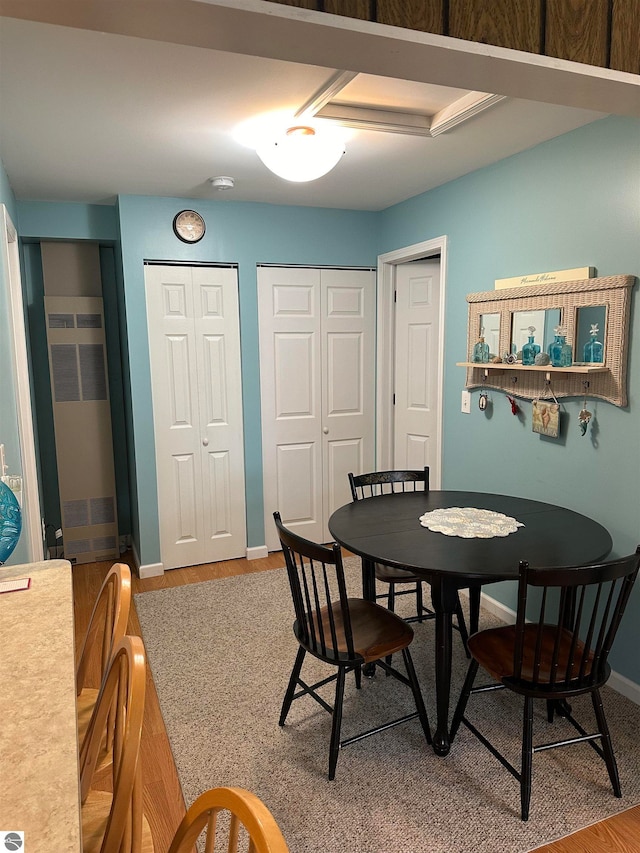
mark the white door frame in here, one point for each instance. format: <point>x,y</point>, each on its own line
<point>386,348</point>
<point>31,517</point>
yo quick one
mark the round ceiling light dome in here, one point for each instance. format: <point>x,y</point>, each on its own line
<point>302,153</point>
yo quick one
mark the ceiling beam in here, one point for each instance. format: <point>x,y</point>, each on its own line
<point>293,34</point>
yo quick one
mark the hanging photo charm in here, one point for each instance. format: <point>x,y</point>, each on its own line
<point>483,399</point>
<point>546,415</point>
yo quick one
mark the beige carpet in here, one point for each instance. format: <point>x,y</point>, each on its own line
<point>221,653</point>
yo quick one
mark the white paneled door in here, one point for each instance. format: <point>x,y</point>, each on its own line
<point>417,364</point>
<point>317,375</point>
<point>194,343</point>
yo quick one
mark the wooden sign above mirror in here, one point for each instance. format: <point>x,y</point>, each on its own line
<point>599,361</point>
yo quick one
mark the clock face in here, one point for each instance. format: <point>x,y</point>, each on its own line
<point>189,226</point>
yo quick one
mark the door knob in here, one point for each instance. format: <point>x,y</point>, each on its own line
<point>326,430</point>
<point>205,442</point>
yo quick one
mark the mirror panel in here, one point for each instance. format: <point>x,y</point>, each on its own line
<point>491,325</point>
<point>544,321</point>
<point>587,317</point>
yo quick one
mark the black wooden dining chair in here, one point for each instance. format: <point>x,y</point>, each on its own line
<point>561,652</point>
<point>388,482</point>
<point>341,631</point>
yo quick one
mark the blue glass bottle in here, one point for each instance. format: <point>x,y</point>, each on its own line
<point>481,350</point>
<point>530,350</point>
<point>555,347</point>
<point>593,350</point>
<point>566,353</point>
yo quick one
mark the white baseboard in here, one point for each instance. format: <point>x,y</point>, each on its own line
<point>151,570</point>
<point>616,681</point>
<point>257,553</point>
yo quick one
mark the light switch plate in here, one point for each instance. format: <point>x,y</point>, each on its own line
<point>466,402</point>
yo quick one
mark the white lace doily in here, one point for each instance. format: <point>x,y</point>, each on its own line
<point>469,522</point>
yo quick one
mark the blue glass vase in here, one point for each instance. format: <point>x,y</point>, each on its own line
<point>593,351</point>
<point>10,522</point>
<point>555,350</point>
<point>529,351</point>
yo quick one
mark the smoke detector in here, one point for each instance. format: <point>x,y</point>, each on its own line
<point>222,182</point>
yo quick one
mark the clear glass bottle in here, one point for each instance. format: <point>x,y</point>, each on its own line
<point>555,347</point>
<point>593,350</point>
<point>481,350</point>
<point>530,350</point>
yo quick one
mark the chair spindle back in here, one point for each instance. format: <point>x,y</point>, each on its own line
<point>318,589</point>
<point>387,482</point>
<point>573,620</point>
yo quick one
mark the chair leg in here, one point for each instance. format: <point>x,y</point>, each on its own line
<point>527,757</point>
<point>417,694</point>
<point>607,748</point>
<point>336,723</point>
<point>288,696</point>
<point>391,605</point>
<point>462,626</point>
<point>551,707</point>
<point>419,604</point>
<point>464,698</point>
<point>358,673</point>
<point>474,608</point>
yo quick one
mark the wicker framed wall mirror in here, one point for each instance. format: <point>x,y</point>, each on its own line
<point>593,315</point>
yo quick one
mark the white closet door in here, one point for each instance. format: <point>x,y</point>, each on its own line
<point>348,373</point>
<point>194,342</point>
<point>417,366</point>
<point>291,398</point>
<point>317,332</point>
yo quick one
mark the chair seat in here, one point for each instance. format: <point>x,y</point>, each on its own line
<point>494,648</point>
<point>376,631</point>
<point>389,574</point>
<point>95,814</point>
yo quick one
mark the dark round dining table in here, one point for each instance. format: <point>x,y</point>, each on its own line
<point>386,529</point>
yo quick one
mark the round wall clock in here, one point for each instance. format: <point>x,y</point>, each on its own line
<point>189,226</point>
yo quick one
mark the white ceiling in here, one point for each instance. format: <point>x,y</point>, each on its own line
<point>86,115</point>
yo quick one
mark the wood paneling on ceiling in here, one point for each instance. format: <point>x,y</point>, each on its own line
<point>603,33</point>
<point>578,30</point>
<point>506,23</point>
<point>424,15</point>
<point>625,36</point>
<point>362,9</point>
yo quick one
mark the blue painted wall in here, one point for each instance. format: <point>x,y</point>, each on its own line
<point>571,202</point>
<point>246,234</point>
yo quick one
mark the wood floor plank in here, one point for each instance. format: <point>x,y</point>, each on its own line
<point>163,801</point>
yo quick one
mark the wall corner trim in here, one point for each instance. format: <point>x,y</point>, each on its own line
<point>257,553</point>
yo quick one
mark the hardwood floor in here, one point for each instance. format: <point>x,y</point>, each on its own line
<point>163,801</point>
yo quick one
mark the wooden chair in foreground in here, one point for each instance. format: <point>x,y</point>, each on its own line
<point>388,482</point>
<point>107,626</point>
<point>343,632</point>
<point>112,821</point>
<point>249,818</point>
<point>561,652</point>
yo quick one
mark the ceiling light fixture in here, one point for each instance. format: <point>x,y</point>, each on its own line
<point>302,153</point>
<point>222,182</point>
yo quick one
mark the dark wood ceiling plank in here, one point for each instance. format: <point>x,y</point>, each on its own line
<point>625,36</point>
<point>578,30</point>
<point>505,23</point>
<point>362,9</point>
<point>424,15</point>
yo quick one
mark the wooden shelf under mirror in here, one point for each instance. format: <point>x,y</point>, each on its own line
<point>501,314</point>
<point>550,372</point>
